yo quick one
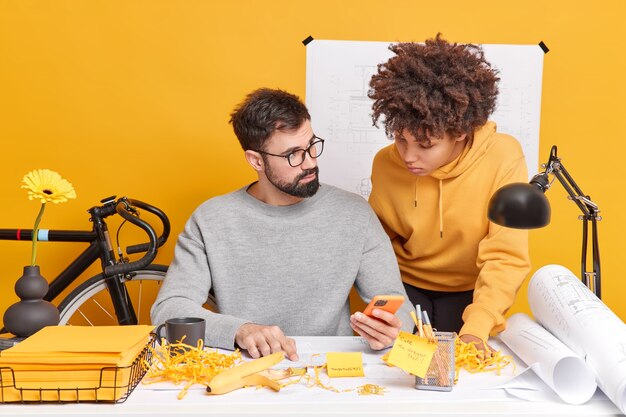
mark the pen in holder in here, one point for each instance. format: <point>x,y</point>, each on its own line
<point>440,374</point>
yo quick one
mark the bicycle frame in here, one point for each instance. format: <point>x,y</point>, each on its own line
<point>100,247</point>
<point>75,268</point>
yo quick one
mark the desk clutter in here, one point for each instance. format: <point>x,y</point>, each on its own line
<point>75,364</point>
<point>105,364</point>
<point>562,355</point>
<point>345,358</point>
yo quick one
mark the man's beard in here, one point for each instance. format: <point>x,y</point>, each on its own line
<point>295,188</point>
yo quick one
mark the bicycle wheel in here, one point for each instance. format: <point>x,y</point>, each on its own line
<point>90,304</point>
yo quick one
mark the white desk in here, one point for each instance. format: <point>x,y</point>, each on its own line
<point>401,397</point>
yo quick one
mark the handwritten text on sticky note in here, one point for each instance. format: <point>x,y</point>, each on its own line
<point>412,353</point>
<point>342,364</point>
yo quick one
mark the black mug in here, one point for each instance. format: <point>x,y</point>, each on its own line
<point>187,330</point>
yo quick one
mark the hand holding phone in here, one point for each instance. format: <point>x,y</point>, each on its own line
<point>390,303</point>
<point>379,332</point>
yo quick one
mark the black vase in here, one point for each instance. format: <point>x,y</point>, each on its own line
<point>32,313</point>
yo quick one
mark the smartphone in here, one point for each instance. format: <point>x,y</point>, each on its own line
<point>390,303</point>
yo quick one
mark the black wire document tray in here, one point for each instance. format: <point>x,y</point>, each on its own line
<point>103,385</point>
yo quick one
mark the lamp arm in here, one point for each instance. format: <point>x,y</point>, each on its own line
<point>590,212</point>
<point>587,207</point>
<point>595,258</point>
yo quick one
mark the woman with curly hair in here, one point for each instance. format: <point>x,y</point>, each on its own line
<point>431,187</point>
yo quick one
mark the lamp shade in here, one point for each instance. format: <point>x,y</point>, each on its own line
<point>520,206</point>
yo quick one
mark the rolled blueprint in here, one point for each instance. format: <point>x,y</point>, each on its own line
<point>556,364</point>
<point>572,313</point>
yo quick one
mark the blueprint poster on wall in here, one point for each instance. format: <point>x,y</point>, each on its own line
<point>337,81</point>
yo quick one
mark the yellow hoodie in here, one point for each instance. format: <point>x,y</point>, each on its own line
<point>439,228</point>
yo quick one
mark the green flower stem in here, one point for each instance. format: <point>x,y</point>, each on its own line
<point>35,230</point>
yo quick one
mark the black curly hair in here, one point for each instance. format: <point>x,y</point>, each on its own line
<point>434,88</point>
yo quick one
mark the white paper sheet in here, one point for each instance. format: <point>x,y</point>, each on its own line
<point>573,314</point>
<point>312,350</point>
<point>557,365</point>
<point>471,389</point>
<point>337,81</point>
<point>527,386</point>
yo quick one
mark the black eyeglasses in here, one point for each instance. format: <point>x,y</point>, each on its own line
<point>296,157</point>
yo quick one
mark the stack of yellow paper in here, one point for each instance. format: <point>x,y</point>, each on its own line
<point>72,363</point>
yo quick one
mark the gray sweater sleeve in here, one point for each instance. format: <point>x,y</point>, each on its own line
<point>186,288</point>
<point>379,273</point>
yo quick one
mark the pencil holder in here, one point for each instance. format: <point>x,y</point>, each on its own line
<point>440,374</point>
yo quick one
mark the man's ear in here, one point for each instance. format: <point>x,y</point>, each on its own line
<point>254,159</point>
<point>461,138</point>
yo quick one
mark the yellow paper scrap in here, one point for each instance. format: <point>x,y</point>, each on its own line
<point>412,354</point>
<point>344,364</point>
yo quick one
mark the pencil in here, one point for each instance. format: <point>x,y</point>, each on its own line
<point>414,317</point>
<point>420,327</point>
<point>428,330</point>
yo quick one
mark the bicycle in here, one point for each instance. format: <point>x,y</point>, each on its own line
<point>115,296</point>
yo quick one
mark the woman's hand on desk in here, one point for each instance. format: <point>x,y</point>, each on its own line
<point>261,340</point>
<point>478,343</point>
<point>380,332</point>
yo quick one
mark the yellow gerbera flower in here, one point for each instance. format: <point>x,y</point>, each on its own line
<point>47,186</point>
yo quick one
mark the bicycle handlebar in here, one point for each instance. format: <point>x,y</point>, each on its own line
<point>143,247</point>
<point>122,208</point>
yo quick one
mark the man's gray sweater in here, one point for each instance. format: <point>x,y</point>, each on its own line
<point>290,266</point>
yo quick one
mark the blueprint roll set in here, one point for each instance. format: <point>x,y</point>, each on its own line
<point>575,342</point>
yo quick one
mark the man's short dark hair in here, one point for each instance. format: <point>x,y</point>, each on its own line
<point>263,112</point>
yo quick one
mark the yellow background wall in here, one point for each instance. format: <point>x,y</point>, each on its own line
<point>133,97</point>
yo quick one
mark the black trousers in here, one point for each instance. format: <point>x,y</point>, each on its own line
<point>444,308</point>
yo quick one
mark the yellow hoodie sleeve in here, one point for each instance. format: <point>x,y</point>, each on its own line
<point>503,262</point>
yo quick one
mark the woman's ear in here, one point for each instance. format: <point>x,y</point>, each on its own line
<point>461,138</point>
<point>254,159</point>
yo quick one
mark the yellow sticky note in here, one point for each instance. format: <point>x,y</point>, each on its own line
<point>412,353</point>
<point>341,364</point>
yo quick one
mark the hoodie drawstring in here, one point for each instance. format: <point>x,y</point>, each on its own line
<point>415,192</point>
<point>440,208</point>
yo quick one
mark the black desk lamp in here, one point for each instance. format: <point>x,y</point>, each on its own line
<point>524,206</point>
